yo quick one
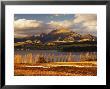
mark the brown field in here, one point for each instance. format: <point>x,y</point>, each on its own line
<point>56,69</point>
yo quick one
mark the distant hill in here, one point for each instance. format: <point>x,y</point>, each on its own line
<point>88,37</point>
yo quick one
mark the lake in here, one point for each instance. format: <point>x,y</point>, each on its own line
<point>53,56</point>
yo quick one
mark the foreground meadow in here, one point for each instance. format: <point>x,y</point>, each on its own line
<point>56,69</point>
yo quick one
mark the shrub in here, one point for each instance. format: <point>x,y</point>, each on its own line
<point>42,60</point>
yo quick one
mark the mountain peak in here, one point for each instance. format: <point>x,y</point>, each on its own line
<point>61,30</point>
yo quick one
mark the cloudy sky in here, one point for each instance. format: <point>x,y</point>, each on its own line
<point>34,24</point>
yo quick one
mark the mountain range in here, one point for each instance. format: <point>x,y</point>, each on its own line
<point>58,35</point>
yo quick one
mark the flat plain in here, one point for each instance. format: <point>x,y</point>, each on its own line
<point>56,69</point>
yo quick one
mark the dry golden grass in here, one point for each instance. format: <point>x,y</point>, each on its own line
<point>31,59</point>
<point>29,65</point>
<point>56,69</point>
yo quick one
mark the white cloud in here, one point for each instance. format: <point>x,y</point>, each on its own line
<point>20,35</point>
<point>24,27</point>
<point>21,24</point>
<point>85,23</point>
<point>59,24</point>
<point>81,23</point>
<point>86,19</point>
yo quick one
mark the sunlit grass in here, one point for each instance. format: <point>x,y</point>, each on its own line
<point>56,69</point>
<point>43,58</point>
<point>45,65</point>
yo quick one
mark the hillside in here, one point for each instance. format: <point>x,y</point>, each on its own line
<point>59,39</point>
<point>59,35</point>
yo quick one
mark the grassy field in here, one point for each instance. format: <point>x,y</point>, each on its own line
<point>56,69</point>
